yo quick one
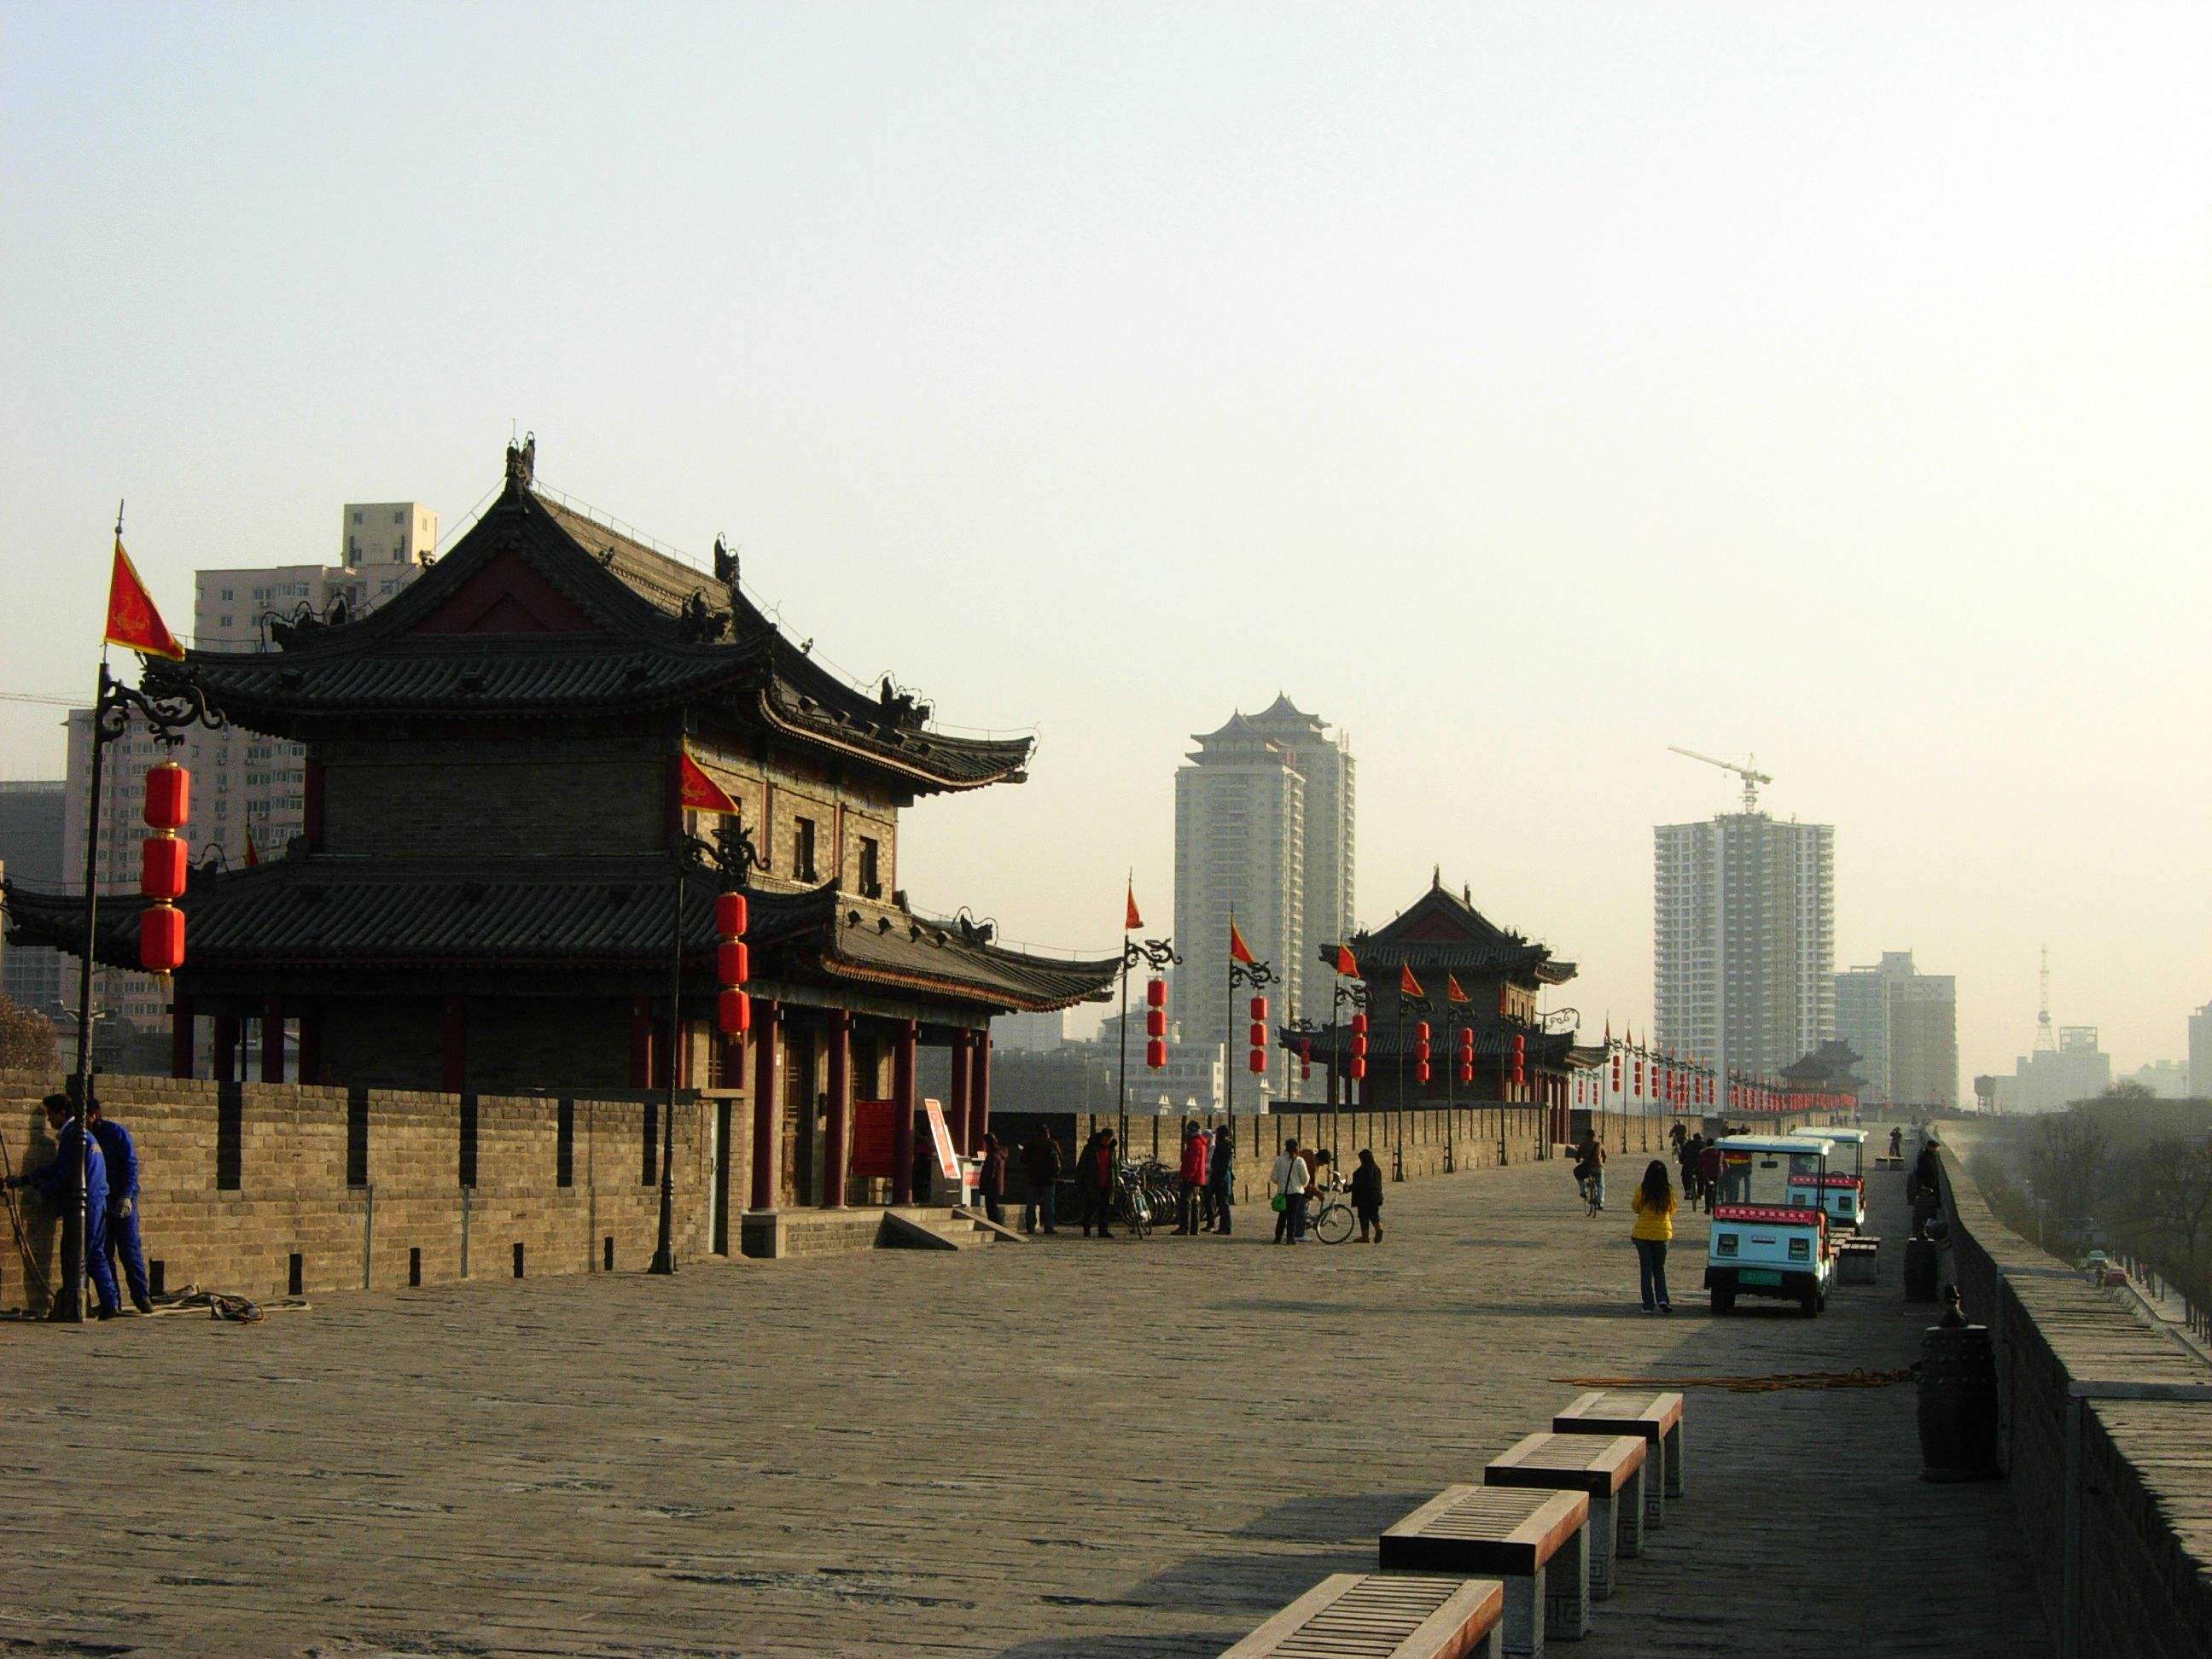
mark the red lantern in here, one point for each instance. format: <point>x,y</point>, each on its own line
<point>1466,1071</point>
<point>733,962</point>
<point>1156,1022</point>
<point>1421,1071</point>
<point>1357,1066</point>
<point>161,938</point>
<point>1305,1068</point>
<point>1156,994</point>
<point>730,914</point>
<point>1258,1063</point>
<point>1359,1025</point>
<point>168,796</point>
<point>1420,1030</point>
<point>1260,1009</point>
<point>162,867</point>
<point>734,1013</point>
<point>1359,1046</point>
<point>1305,1048</point>
<point>1258,1035</point>
<point>1156,1053</point>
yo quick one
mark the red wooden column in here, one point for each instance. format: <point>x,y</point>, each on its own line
<point>272,1040</point>
<point>767,1150</point>
<point>834,1156</point>
<point>226,1049</point>
<point>640,1046</point>
<point>181,1035</point>
<point>963,1043</point>
<point>979,1091</point>
<point>902,1108</point>
<point>455,1070</point>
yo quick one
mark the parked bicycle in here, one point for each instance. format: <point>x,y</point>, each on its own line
<point>1328,1213</point>
<point>1144,1193</point>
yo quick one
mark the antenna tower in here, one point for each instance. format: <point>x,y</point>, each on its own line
<point>2047,1040</point>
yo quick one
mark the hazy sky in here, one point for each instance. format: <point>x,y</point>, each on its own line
<point>1524,387</point>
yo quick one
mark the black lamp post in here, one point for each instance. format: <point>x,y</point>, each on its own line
<point>1355,993</point>
<point>172,703</point>
<point>728,861</point>
<point>1158,954</point>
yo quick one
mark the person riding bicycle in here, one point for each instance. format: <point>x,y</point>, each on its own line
<point>1590,1172</point>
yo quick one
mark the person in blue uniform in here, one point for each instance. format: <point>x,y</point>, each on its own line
<point>55,1182</point>
<point>122,1155</point>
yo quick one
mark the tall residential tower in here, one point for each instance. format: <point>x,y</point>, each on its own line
<point>1744,939</point>
<point>1264,826</point>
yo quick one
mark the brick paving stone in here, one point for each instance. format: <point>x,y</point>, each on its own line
<point>1074,1448</point>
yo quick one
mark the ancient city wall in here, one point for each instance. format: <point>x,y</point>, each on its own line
<point>373,1187</point>
<point>2143,1487</point>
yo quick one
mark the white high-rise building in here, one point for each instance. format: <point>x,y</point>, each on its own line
<point>1744,939</point>
<point>1904,1026</point>
<point>241,780</point>
<point>1265,824</point>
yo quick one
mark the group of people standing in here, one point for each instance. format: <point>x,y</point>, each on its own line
<point>105,1174</point>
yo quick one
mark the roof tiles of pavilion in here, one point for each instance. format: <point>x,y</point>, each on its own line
<point>540,612</point>
<point>306,913</point>
<point>1444,932</point>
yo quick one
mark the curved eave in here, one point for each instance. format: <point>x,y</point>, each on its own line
<point>994,762</point>
<point>949,986</point>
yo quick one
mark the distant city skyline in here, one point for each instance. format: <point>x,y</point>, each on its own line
<point>1528,391</point>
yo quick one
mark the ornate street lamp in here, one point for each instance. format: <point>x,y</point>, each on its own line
<point>1355,993</point>
<point>1158,954</point>
<point>1259,976</point>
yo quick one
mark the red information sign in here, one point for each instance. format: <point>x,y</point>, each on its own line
<point>940,1135</point>
<point>875,1137</point>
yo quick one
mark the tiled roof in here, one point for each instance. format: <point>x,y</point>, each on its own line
<point>612,911</point>
<point>640,644</point>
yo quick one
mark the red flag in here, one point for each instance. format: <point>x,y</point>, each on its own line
<point>1346,963</point>
<point>131,619</point>
<point>1452,992</point>
<point>1238,950</point>
<point>252,853</point>
<point>699,792</point>
<point>1407,985</point>
<point>1131,921</point>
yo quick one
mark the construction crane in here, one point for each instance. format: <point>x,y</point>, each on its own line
<point>1747,770</point>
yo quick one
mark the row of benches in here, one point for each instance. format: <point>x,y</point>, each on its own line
<point>1495,1569</point>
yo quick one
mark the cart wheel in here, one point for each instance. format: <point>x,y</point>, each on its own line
<point>1810,1301</point>
<point>1723,1299</point>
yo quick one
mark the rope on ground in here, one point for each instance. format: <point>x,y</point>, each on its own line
<point>223,1305</point>
<point>1771,1382</point>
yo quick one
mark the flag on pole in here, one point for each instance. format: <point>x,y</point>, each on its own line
<point>1130,920</point>
<point>1452,992</point>
<point>1238,950</point>
<point>133,621</point>
<point>1346,963</point>
<point>1407,985</point>
<point>699,792</point>
<point>252,853</point>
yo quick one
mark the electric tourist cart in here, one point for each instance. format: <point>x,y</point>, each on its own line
<point>1842,1191</point>
<point>1769,1237</point>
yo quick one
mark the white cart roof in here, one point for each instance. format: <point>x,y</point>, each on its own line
<point>1856,1137</point>
<point>1776,1144</point>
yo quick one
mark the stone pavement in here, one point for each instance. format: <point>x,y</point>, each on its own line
<point>1068,1448</point>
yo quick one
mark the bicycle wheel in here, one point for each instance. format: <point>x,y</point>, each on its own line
<point>1333,1226</point>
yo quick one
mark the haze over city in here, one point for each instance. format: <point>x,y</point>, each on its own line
<point>1524,391</point>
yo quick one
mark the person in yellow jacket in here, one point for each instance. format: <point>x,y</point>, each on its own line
<point>1653,1204</point>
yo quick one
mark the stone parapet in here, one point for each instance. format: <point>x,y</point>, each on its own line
<point>2135,1512</point>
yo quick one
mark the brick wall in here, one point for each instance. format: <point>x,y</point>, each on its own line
<point>291,1149</point>
<point>2146,1572</point>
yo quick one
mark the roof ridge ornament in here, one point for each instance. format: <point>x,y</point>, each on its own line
<point>522,463</point>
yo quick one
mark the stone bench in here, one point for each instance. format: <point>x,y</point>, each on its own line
<point>1370,1615</point>
<point>1537,1541</point>
<point>1607,1469</point>
<point>1656,1417</point>
<point>1858,1260</point>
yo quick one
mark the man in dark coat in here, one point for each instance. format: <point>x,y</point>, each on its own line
<point>122,1156</point>
<point>57,1182</point>
<point>1041,1169</point>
